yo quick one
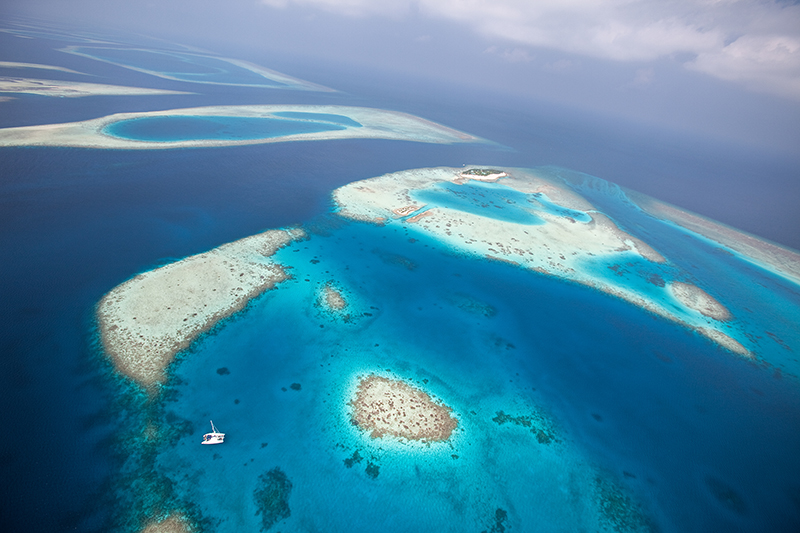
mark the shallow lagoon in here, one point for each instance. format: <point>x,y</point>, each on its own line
<point>187,128</point>
<point>705,441</point>
<point>645,415</point>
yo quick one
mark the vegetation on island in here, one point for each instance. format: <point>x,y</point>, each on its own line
<point>481,172</point>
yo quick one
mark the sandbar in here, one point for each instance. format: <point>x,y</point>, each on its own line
<point>696,298</point>
<point>147,320</point>
<point>387,407</point>
<point>72,89</point>
<point>567,245</point>
<point>283,81</point>
<point>332,298</point>
<point>16,64</point>
<point>374,124</point>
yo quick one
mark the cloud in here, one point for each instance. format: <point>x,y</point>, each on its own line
<point>560,65</point>
<point>752,42</point>
<point>756,61</point>
<point>512,55</point>
<point>644,76</point>
<point>351,8</point>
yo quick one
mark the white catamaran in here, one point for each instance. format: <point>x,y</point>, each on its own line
<point>215,437</point>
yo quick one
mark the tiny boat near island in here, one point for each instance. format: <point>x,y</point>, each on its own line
<point>215,437</point>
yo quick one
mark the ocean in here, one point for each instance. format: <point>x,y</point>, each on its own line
<point>640,424</point>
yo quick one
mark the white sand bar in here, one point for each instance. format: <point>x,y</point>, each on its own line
<point>696,298</point>
<point>16,64</point>
<point>375,124</point>
<point>561,246</point>
<point>72,89</point>
<point>147,320</point>
<point>284,80</point>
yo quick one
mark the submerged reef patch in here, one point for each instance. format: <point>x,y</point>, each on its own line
<point>618,511</point>
<point>353,459</point>
<point>385,407</point>
<point>498,521</point>
<point>541,427</point>
<point>372,470</point>
<point>272,497</point>
<point>726,495</point>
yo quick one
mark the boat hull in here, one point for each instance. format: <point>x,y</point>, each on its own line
<point>213,438</point>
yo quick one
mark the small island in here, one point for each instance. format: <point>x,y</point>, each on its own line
<point>480,174</point>
<point>387,407</point>
<point>331,298</point>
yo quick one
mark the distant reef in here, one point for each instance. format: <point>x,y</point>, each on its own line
<point>535,219</point>
<point>358,123</point>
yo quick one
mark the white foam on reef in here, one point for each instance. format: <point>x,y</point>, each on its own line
<point>147,320</point>
<point>285,81</point>
<point>561,247</point>
<point>72,89</point>
<point>375,124</point>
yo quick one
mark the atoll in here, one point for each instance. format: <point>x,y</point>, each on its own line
<point>366,124</point>
<point>534,219</point>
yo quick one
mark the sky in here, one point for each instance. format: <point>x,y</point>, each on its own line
<point>722,68</point>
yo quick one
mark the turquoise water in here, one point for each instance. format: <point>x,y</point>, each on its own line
<point>648,425</point>
<point>502,347</point>
<point>191,128</point>
<point>483,199</point>
<point>321,117</point>
<point>497,201</point>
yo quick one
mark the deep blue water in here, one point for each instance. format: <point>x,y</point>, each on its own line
<point>218,128</point>
<point>705,441</point>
